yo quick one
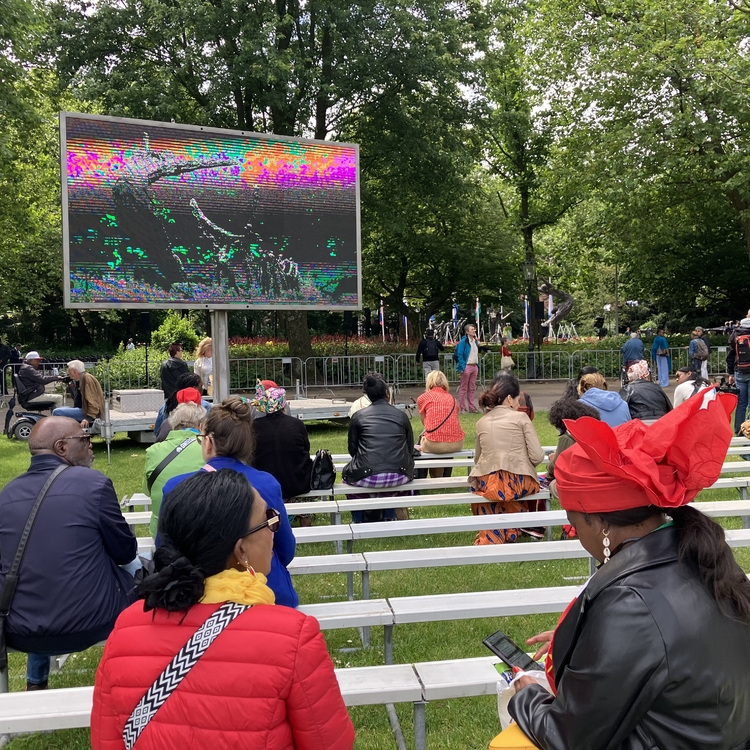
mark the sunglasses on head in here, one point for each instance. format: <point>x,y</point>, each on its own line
<point>273,520</point>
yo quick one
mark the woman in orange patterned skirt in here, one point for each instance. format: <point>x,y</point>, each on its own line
<point>507,453</point>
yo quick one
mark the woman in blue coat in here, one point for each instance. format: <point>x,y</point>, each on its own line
<point>227,440</point>
<point>663,361</point>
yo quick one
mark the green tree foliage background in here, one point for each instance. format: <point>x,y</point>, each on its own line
<point>588,134</point>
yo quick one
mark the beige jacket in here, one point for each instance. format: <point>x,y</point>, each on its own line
<point>506,440</point>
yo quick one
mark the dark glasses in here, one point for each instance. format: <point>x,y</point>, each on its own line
<point>199,438</point>
<point>87,438</point>
<point>273,521</point>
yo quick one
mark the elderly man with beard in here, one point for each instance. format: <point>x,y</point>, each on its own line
<point>71,587</point>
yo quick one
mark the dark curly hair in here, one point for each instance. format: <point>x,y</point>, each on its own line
<point>201,520</point>
<point>570,408</point>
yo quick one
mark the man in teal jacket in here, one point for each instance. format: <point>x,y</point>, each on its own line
<point>467,356</point>
<point>185,452</point>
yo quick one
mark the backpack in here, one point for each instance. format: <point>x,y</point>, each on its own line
<point>742,351</point>
<point>701,351</point>
<point>323,473</point>
<point>431,349</point>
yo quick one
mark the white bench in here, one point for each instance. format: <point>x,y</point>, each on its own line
<point>70,708</point>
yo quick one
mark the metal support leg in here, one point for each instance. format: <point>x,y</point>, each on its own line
<point>745,519</point>
<point>548,507</point>
<point>390,709</point>
<point>350,574</point>
<point>388,642</point>
<point>365,584</point>
<point>4,681</point>
<point>336,521</point>
<point>420,730</point>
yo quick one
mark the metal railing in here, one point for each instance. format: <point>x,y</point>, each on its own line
<point>400,370</point>
<point>331,372</point>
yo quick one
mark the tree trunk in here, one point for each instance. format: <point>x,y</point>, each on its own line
<point>299,333</point>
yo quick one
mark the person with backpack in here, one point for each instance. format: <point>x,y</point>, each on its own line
<point>697,350</point>
<point>429,352</point>
<point>738,367</point>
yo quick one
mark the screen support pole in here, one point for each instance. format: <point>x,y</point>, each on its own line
<point>220,338</point>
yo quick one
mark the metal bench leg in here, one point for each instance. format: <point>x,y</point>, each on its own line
<point>4,681</point>
<point>365,584</point>
<point>388,642</point>
<point>336,521</point>
<point>390,709</point>
<point>420,731</point>
<point>548,507</point>
<point>350,574</point>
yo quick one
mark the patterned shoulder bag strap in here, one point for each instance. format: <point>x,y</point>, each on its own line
<point>176,671</point>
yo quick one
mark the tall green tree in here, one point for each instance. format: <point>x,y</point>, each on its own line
<point>657,94</point>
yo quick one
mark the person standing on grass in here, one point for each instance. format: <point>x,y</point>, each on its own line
<point>506,455</point>
<point>467,365</point>
<point>429,352</point>
<point>660,355</point>
<point>172,369</point>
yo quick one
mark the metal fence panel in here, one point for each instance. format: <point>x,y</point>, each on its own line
<point>607,361</point>
<point>284,371</point>
<point>342,372</point>
<point>117,375</point>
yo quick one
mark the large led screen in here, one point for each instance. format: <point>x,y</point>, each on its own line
<point>164,215</point>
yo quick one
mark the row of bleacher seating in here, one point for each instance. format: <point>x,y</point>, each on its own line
<point>417,683</point>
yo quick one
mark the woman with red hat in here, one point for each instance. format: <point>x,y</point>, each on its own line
<point>655,651</point>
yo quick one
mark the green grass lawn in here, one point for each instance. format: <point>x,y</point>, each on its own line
<point>466,724</point>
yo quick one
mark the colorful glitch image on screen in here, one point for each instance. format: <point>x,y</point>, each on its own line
<point>163,215</point>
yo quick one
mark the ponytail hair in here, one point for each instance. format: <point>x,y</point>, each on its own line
<point>201,520</point>
<point>704,549</point>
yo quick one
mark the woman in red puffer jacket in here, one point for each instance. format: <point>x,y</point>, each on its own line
<point>265,683</point>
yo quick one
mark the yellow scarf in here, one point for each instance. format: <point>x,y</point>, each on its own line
<point>237,586</point>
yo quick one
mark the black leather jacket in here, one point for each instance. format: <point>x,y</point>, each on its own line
<point>380,440</point>
<point>644,660</point>
<point>646,400</point>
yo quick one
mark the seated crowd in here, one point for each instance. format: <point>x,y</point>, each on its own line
<point>219,478</point>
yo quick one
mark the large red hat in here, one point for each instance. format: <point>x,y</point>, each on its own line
<point>664,464</point>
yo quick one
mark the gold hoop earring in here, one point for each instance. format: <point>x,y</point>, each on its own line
<point>605,542</point>
<point>250,568</point>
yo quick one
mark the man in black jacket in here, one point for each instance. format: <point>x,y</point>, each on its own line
<point>171,370</point>
<point>70,588</point>
<point>429,351</point>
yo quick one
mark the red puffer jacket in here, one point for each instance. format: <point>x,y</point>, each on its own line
<point>266,683</point>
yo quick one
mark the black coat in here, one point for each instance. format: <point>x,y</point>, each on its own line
<point>644,659</point>
<point>170,373</point>
<point>645,400</point>
<point>282,448</point>
<point>380,441</point>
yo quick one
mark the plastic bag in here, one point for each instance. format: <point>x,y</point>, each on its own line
<point>506,690</point>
